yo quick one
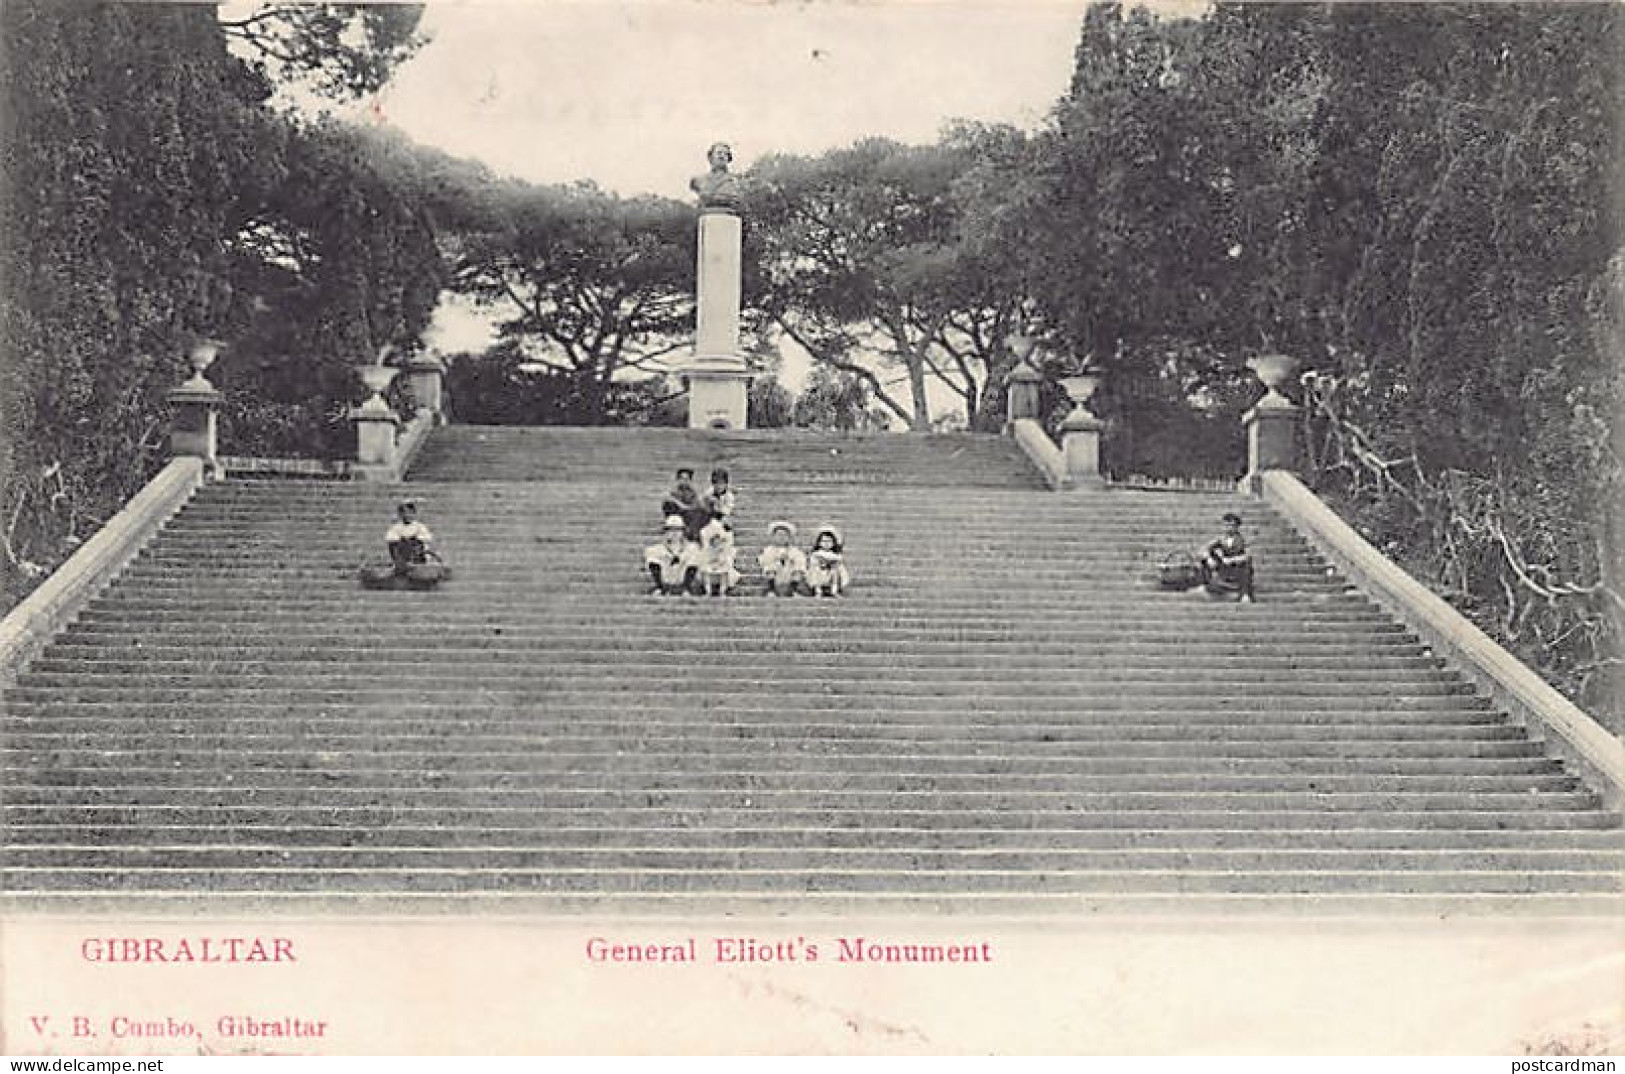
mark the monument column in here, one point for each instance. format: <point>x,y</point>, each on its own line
<point>716,375</point>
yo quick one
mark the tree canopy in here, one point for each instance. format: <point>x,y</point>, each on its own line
<point>151,195</point>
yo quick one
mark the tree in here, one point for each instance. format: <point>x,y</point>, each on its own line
<point>141,169</point>
<point>918,259</point>
<point>334,266</point>
<point>337,50</point>
<point>127,135</point>
<point>598,288</point>
<point>837,240</point>
<point>838,402</point>
<point>980,287</point>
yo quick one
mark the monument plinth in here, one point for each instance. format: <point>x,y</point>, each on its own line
<point>716,374</point>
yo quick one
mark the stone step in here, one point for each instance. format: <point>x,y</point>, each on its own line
<point>450,607</point>
<point>797,881</point>
<point>269,658</point>
<point>412,663</point>
<point>228,773</point>
<point>997,859</point>
<point>425,765</point>
<point>809,618</point>
<point>1350,840</point>
<point>1283,742</point>
<point>628,583</point>
<point>1415,812</point>
<point>316,565</point>
<point>777,799</point>
<point>545,509</point>
<point>689,703</point>
<point>544,684</point>
<point>411,643</point>
<point>1039,536</point>
<point>581,509</point>
<point>719,701</point>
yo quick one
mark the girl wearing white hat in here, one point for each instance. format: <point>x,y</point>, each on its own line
<point>827,575</point>
<point>784,566</point>
<point>671,561</point>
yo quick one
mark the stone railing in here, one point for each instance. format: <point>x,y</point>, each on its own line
<point>1547,714</point>
<point>1271,424</point>
<point>385,446</point>
<point>194,444</point>
<point>71,586</point>
<point>1041,451</point>
<point>1075,463</point>
<point>1272,427</point>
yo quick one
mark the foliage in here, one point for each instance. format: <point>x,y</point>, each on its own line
<point>503,386</point>
<point>835,401</point>
<point>333,266</point>
<point>127,133</point>
<point>769,404</point>
<point>337,50</point>
<point>141,167</point>
<point>596,289</point>
<point>883,256</point>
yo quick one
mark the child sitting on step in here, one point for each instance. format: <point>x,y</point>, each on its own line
<point>717,574</point>
<point>684,502</point>
<point>672,561</point>
<point>719,498</point>
<point>826,564</point>
<point>413,560</point>
<point>1228,565</point>
<point>784,566</point>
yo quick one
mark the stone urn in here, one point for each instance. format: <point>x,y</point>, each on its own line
<point>1080,388</point>
<point>1275,370</point>
<point>1021,345</point>
<point>201,357</point>
<point>376,379</point>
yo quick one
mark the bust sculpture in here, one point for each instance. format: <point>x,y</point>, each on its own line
<point>718,188</point>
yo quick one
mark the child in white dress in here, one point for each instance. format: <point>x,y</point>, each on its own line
<point>716,558</point>
<point>671,561</point>
<point>784,566</point>
<point>827,575</point>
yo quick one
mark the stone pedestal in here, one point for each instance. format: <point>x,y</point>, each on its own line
<point>375,424</point>
<point>717,396</point>
<point>193,429</point>
<point>1080,443</point>
<point>1272,423</point>
<point>717,376</point>
<point>1022,395</point>
<point>1272,434</point>
<point>427,377</point>
<point>374,437</point>
<point>1080,432</point>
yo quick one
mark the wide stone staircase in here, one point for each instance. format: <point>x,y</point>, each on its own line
<point>1005,712</point>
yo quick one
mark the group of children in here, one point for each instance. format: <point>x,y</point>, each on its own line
<point>696,550</point>
<point>695,553</point>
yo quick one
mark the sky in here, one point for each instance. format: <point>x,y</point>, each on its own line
<point>630,92</point>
